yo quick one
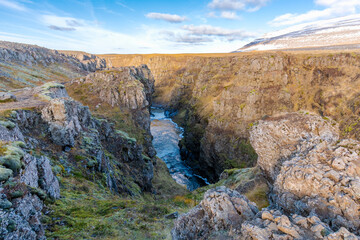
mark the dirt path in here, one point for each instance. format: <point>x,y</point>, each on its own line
<point>25,99</point>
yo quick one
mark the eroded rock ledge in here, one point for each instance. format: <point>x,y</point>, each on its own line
<point>314,180</point>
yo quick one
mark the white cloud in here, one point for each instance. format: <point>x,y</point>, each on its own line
<point>242,5</point>
<point>209,30</point>
<point>333,8</point>
<point>172,18</point>
<point>89,36</point>
<point>229,15</point>
<point>12,5</point>
<point>232,15</point>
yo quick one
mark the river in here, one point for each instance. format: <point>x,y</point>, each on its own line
<point>167,135</point>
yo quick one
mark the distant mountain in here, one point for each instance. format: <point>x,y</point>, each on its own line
<point>337,33</point>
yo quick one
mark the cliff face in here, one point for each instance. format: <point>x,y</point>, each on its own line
<point>219,97</point>
<point>127,91</point>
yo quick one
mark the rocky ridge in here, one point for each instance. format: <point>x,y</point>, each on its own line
<point>26,65</point>
<point>314,182</point>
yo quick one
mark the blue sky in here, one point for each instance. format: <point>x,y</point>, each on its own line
<point>145,26</point>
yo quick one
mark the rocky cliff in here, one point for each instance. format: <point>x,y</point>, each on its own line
<point>66,131</point>
<point>313,179</point>
<point>219,97</point>
<point>24,65</point>
<point>125,90</point>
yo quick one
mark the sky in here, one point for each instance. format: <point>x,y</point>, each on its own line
<point>158,26</point>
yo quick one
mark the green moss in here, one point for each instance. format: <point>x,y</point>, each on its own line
<point>79,157</point>
<point>39,192</point>
<point>12,156</point>
<point>11,226</point>
<point>5,204</point>
<point>242,106</point>
<point>9,125</point>
<point>91,163</point>
<point>90,211</point>
<point>5,174</point>
<point>164,185</point>
<point>16,194</point>
<point>49,85</point>
<point>125,135</point>
<point>8,100</point>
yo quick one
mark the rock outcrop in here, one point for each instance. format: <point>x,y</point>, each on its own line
<point>63,128</point>
<point>128,89</point>
<point>226,214</point>
<point>23,191</point>
<point>311,170</point>
<point>221,209</point>
<point>89,62</point>
<point>7,97</point>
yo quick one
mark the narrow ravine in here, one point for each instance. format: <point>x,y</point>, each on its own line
<point>167,135</point>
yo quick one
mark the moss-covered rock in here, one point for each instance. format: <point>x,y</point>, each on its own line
<point>17,194</point>
<point>39,192</point>
<point>5,204</point>
<point>12,156</point>
<point>5,173</point>
<point>8,124</point>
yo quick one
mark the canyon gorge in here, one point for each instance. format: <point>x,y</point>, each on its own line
<point>272,139</point>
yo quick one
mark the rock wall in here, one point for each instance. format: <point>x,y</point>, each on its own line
<point>218,97</point>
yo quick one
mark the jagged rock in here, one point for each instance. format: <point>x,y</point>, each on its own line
<point>89,62</point>
<point>273,224</point>
<point>222,209</point>
<point>47,179</point>
<point>283,135</point>
<point>7,97</point>
<point>310,170</point>
<point>66,119</point>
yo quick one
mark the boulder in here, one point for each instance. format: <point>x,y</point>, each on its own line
<point>222,209</point>
<point>7,97</point>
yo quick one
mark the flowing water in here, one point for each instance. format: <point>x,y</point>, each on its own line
<point>167,135</point>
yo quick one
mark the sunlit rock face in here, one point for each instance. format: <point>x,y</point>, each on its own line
<point>311,170</point>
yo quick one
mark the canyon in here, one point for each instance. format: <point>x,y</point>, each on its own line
<point>275,133</point>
